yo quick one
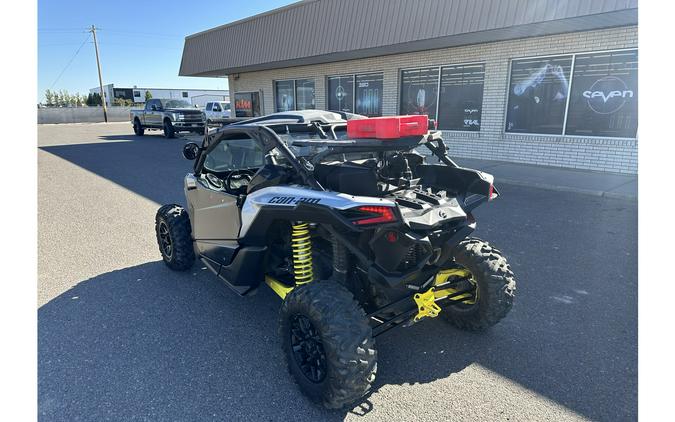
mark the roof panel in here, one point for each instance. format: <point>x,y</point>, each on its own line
<point>319,31</point>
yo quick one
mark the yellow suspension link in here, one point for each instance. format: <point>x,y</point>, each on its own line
<point>426,302</point>
<point>301,243</point>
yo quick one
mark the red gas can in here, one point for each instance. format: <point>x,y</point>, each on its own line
<point>388,127</point>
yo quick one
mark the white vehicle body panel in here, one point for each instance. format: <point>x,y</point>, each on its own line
<point>290,196</point>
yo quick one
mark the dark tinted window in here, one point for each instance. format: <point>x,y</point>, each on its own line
<point>234,154</point>
<point>304,90</point>
<point>341,93</point>
<point>208,106</point>
<point>461,99</point>
<point>604,98</point>
<point>419,91</point>
<point>369,94</point>
<point>284,95</point>
<point>185,94</point>
<point>538,95</point>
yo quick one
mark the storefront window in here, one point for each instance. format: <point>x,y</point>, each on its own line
<point>285,95</point>
<point>369,94</point>
<point>247,104</point>
<point>419,91</point>
<point>461,99</point>
<point>538,95</point>
<point>304,93</point>
<point>604,99</point>
<point>341,93</point>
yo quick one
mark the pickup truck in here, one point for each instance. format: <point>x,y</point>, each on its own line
<point>169,115</point>
<point>217,112</point>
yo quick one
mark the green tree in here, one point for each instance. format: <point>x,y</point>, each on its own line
<point>148,95</point>
<point>93,99</point>
<point>49,98</point>
<point>66,98</point>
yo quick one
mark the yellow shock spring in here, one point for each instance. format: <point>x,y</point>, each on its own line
<point>301,243</point>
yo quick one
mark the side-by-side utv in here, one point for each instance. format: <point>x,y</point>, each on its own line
<point>350,224</point>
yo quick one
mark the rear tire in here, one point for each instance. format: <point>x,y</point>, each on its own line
<point>174,237</point>
<point>169,131</point>
<point>138,128</point>
<point>339,347</point>
<point>496,286</point>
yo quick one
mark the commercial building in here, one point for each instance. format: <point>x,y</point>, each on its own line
<point>536,81</point>
<point>197,97</point>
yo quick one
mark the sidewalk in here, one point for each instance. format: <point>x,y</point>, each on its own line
<point>588,182</point>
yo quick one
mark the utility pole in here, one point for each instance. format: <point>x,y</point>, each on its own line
<point>100,79</point>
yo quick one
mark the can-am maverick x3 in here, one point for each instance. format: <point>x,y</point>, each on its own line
<point>346,221</point>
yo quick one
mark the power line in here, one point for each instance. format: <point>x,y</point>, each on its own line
<point>148,34</point>
<point>70,61</point>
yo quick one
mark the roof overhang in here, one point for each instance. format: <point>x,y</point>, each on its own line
<point>206,54</point>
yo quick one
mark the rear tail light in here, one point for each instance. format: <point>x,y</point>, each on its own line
<point>491,191</point>
<point>374,215</point>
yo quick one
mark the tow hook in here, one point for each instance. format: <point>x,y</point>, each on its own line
<point>426,305</point>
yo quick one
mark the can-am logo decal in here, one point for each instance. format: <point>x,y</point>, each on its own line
<point>292,200</point>
<point>607,95</point>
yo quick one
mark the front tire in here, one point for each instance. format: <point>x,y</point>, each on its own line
<point>169,131</point>
<point>327,343</point>
<point>138,128</point>
<point>495,282</point>
<point>174,237</point>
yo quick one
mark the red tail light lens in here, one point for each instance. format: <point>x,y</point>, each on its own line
<point>378,215</point>
<point>490,192</point>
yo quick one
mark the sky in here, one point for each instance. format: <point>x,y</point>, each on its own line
<point>140,42</point>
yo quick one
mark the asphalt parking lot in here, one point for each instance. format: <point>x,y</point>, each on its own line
<point>121,337</point>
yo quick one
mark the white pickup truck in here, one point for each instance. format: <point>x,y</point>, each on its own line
<point>217,112</point>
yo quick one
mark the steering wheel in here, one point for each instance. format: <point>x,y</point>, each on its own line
<point>237,181</point>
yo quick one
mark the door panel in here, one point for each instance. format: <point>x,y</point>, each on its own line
<point>216,213</point>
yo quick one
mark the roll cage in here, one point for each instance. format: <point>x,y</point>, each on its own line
<point>266,131</point>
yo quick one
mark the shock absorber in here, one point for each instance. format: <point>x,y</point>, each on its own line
<point>301,244</point>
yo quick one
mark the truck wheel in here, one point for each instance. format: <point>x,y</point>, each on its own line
<point>138,128</point>
<point>174,237</point>
<point>495,285</point>
<point>327,343</point>
<point>169,131</point>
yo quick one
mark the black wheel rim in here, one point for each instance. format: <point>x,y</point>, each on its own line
<point>165,239</point>
<point>308,349</point>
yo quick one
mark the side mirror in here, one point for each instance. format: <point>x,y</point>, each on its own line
<point>190,150</point>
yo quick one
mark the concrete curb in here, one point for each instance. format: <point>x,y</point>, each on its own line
<point>559,188</point>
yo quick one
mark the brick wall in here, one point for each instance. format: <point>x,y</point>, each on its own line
<point>612,155</point>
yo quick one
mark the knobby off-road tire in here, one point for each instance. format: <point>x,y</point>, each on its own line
<point>345,336</point>
<point>169,131</point>
<point>138,128</point>
<point>172,225</point>
<point>496,286</point>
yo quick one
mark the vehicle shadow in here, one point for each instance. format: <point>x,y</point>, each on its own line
<point>150,165</point>
<point>146,342</point>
